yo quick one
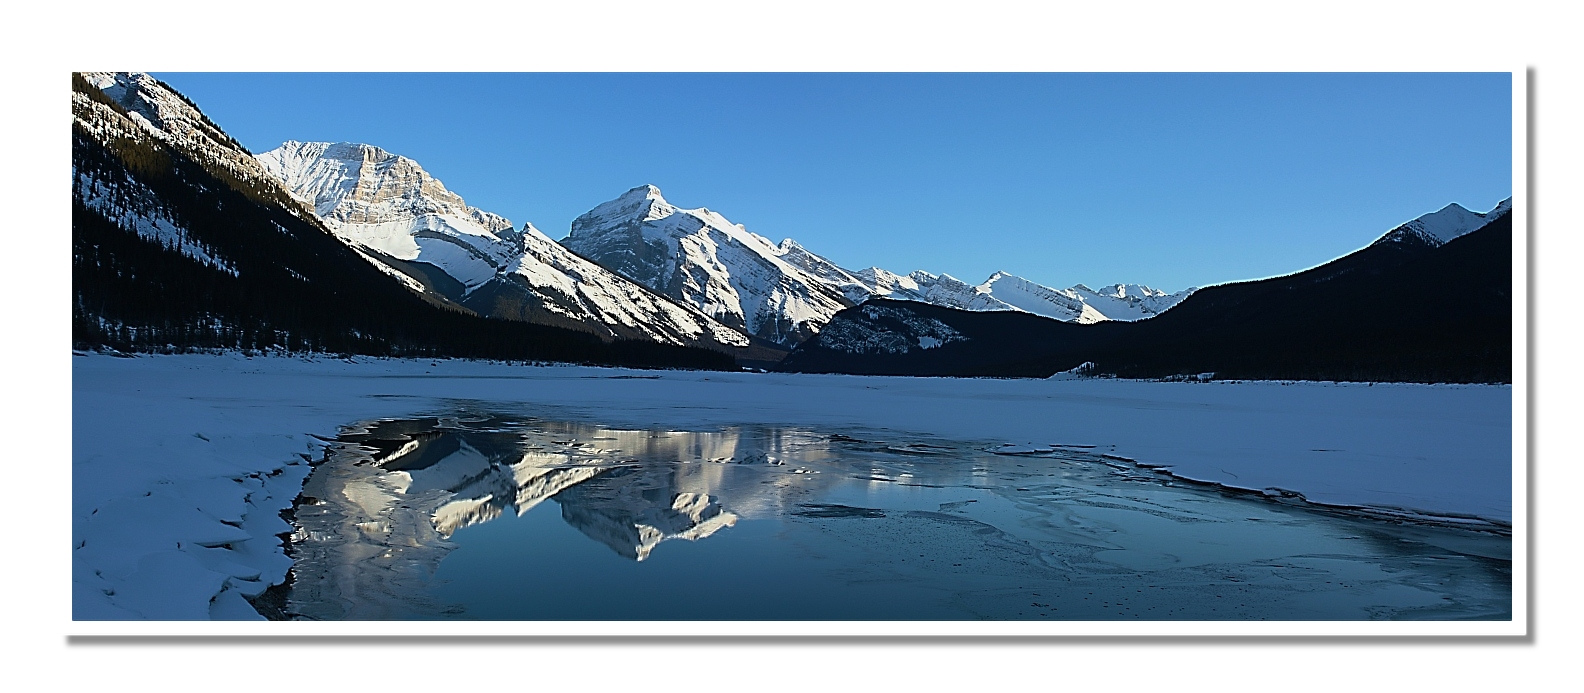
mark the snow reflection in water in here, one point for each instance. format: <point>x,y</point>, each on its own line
<point>446,518</point>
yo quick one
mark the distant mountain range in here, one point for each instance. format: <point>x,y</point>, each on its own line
<point>407,223</point>
<point>634,267</point>
<point>183,239</point>
<point>1430,301</point>
<point>783,293</point>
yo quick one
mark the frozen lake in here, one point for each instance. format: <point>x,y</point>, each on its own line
<point>182,464</point>
<point>489,512</point>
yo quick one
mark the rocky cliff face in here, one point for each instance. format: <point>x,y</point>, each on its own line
<point>388,204</point>
<point>361,184</point>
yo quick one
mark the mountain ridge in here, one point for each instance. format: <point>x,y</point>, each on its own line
<point>405,218</point>
<point>1306,325</point>
<point>784,293</point>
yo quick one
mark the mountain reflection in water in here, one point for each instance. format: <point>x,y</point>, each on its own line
<point>803,525</point>
<point>601,478</point>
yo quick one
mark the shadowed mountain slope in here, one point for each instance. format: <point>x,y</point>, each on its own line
<point>1393,311</point>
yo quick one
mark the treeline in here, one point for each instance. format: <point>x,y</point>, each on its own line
<point>295,287</point>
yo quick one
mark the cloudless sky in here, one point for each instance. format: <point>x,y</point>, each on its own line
<point>1172,180</point>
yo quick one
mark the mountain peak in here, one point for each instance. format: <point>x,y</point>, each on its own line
<point>642,192</point>
<point>644,202</point>
<point>356,183</point>
<point>1445,224</point>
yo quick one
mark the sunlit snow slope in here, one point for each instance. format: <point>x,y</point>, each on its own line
<point>405,219</point>
<point>700,258</point>
<point>1445,224</point>
<point>784,293</point>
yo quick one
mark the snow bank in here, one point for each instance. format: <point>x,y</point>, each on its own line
<point>180,464</point>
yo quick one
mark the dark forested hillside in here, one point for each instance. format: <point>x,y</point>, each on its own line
<point>237,266</point>
<point>1384,313</point>
<point>1389,312</point>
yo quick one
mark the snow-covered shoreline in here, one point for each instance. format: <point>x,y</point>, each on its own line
<point>181,464</point>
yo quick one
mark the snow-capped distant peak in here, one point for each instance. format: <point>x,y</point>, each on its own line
<point>1445,224</point>
<point>1125,290</point>
<point>1007,291</point>
<point>1449,222</point>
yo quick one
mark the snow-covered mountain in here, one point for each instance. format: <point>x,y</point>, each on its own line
<point>704,260</point>
<point>405,221</point>
<point>1445,224</point>
<point>1129,302</point>
<point>784,293</point>
<point>389,207</point>
<point>1003,291</point>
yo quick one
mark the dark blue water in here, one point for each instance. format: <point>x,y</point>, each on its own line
<point>498,516</point>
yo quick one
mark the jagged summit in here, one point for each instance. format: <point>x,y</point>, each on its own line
<point>645,191</point>
<point>779,293</point>
<point>644,201</point>
<point>641,195</point>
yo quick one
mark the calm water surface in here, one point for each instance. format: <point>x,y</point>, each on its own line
<point>490,515</point>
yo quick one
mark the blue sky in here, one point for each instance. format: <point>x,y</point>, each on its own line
<point>1171,180</point>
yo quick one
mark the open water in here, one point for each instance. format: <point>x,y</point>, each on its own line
<point>495,514</point>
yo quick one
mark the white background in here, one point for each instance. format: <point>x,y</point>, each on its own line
<point>42,45</point>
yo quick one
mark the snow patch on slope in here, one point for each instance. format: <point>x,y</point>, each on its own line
<point>134,207</point>
<point>886,330</point>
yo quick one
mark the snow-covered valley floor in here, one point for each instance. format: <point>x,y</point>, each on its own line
<point>181,464</point>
